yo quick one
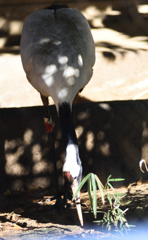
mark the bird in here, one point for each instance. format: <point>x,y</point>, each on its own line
<point>58,54</point>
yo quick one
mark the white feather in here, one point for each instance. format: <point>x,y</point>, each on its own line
<point>71,164</point>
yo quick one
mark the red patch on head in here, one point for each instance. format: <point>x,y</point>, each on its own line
<point>68,177</point>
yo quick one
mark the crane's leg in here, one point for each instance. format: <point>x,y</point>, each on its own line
<point>51,142</point>
<point>45,102</point>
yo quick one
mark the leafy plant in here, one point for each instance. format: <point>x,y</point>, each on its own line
<point>115,216</point>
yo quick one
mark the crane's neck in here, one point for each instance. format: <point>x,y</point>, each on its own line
<point>72,161</point>
<point>66,122</point>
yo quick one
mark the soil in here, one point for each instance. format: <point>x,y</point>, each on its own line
<point>33,214</point>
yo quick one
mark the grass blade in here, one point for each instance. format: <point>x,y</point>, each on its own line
<point>116,179</point>
<point>108,179</point>
<point>117,199</point>
<point>89,190</point>
<point>110,186</point>
<point>81,185</point>
<point>94,195</point>
<point>100,187</point>
<point>109,199</point>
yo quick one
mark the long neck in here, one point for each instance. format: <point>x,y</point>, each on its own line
<point>72,161</point>
<point>66,122</point>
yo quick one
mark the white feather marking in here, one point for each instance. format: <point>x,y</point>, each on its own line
<point>71,164</point>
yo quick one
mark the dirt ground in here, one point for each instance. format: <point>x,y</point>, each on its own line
<point>120,73</point>
<point>33,214</point>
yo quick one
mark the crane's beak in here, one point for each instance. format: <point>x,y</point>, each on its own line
<point>74,187</point>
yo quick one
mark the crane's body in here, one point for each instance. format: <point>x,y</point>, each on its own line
<point>58,53</point>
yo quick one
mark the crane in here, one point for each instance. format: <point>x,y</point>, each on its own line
<point>58,54</point>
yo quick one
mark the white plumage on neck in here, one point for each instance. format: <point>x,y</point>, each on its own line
<point>71,163</point>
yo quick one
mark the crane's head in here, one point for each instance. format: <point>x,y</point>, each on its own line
<point>72,170</point>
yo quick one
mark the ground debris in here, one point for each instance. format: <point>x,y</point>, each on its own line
<point>33,214</point>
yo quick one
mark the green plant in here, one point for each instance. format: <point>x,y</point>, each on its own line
<point>113,217</point>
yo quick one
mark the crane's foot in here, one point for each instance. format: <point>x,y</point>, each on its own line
<point>61,199</point>
<point>59,205</point>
